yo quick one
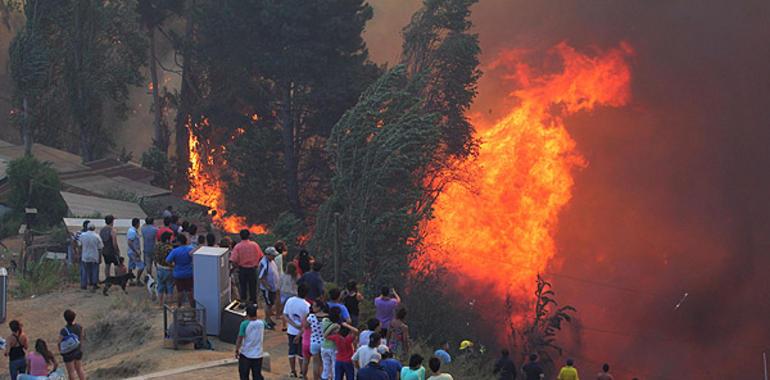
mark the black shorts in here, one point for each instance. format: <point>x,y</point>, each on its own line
<point>111,259</point>
<point>269,297</point>
<point>294,351</point>
<point>72,356</point>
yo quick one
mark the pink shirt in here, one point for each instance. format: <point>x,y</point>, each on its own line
<point>246,254</point>
<point>37,364</point>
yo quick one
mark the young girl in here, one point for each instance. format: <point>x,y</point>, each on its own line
<point>342,337</point>
<point>398,335</point>
<point>15,348</point>
<point>41,362</point>
<point>312,338</point>
<point>73,360</point>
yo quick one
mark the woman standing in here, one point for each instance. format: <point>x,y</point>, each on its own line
<point>288,288</point>
<point>71,353</point>
<point>398,335</point>
<point>15,348</point>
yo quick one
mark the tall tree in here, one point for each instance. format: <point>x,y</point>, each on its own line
<point>294,66</point>
<point>72,59</point>
<point>103,51</point>
<point>439,47</point>
<point>153,13</point>
<point>381,150</point>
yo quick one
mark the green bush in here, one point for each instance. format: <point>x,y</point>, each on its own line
<point>36,184</point>
<point>42,277</point>
<point>9,224</point>
<point>157,161</point>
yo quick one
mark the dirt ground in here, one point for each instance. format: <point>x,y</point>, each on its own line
<point>124,335</point>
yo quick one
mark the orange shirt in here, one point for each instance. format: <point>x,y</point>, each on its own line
<point>246,254</point>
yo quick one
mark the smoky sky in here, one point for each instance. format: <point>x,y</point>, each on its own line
<point>674,199</point>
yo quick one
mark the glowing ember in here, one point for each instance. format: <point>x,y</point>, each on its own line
<point>207,188</point>
<point>501,231</point>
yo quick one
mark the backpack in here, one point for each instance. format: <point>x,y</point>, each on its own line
<point>69,342</point>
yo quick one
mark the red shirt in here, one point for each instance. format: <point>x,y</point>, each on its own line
<point>163,230</point>
<point>344,347</point>
<point>246,254</point>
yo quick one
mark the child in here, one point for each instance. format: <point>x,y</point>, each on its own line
<point>372,326</point>
<point>312,338</point>
<point>40,361</point>
<point>343,338</point>
<point>73,360</point>
<point>121,269</point>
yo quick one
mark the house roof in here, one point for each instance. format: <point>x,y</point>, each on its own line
<point>60,160</point>
<point>114,186</point>
<point>84,205</point>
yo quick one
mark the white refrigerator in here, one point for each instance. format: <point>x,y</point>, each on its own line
<point>211,281</point>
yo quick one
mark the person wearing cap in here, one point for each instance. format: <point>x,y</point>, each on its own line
<point>90,243</point>
<point>268,283</point>
<point>373,370</point>
<point>568,372</point>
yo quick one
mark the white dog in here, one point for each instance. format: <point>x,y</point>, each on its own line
<point>152,286</point>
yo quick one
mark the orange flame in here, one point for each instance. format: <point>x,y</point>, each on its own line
<point>207,188</point>
<point>500,232</point>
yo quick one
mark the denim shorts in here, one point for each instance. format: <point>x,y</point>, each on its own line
<point>315,348</point>
<point>165,281</point>
<point>134,261</point>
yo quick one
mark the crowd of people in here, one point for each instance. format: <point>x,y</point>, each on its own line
<point>40,363</point>
<point>326,338</point>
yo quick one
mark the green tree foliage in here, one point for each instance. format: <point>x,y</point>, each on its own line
<point>35,184</point>
<point>439,47</point>
<point>72,60</point>
<point>381,149</point>
<point>297,65</point>
<point>157,161</point>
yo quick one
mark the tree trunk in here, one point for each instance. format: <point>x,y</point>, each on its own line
<point>26,128</point>
<point>161,134</point>
<point>181,133</point>
<point>289,152</point>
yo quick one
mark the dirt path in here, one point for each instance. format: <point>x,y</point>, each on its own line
<point>137,352</point>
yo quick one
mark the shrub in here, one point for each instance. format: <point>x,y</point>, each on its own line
<point>42,277</point>
<point>35,184</point>
<point>157,161</point>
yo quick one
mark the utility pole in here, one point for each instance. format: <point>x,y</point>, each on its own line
<point>336,248</point>
<point>764,362</point>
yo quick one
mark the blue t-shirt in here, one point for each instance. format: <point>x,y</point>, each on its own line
<point>182,260</point>
<point>392,367</point>
<point>148,237</point>
<point>343,309</point>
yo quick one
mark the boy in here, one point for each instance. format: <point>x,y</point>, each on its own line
<point>248,347</point>
<point>435,367</point>
<point>372,326</point>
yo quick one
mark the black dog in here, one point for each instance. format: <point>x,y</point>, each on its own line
<point>121,281</point>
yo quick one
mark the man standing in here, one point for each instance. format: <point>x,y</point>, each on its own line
<point>295,311</point>
<point>111,251</point>
<point>505,367</point>
<point>246,256</point>
<point>314,282</point>
<point>148,239</point>
<point>135,250</point>
<point>533,370</point>
<point>385,307</point>
<point>90,244</point>
<point>268,283</point>
<point>248,347</point>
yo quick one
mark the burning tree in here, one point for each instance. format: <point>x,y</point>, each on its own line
<point>539,334</point>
